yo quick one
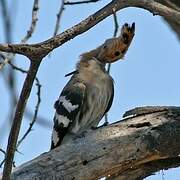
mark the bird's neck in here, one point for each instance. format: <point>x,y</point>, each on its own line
<point>91,54</point>
<point>92,64</point>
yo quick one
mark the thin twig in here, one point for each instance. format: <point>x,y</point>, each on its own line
<point>18,68</point>
<point>7,30</point>
<point>29,32</point>
<point>2,162</point>
<point>34,20</point>
<point>59,15</point>
<point>9,75</point>
<point>42,121</point>
<point>2,58</point>
<point>80,2</point>
<point>116,27</point>
<point>1,150</point>
<point>36,108</point>
<point>6,20</point>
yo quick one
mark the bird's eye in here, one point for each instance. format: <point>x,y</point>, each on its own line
<point>117,53</point>
<point>105,47</point>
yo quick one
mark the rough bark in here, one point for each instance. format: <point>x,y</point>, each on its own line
<point>174,4</point>
<point>132,148</point>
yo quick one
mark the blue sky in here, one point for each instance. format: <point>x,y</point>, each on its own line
<point>147,76</point>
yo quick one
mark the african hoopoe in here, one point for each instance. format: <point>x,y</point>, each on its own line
<point>89,93</point>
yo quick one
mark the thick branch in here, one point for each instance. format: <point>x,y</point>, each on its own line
<point>174,4</point>
<point>39,50</point>
<point>126,147</point>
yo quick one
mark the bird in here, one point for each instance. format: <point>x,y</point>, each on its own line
<point>89,93</point>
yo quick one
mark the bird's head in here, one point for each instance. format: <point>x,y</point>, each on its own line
<point>115,48</point>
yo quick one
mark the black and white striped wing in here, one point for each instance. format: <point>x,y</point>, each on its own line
<point>67,107</point>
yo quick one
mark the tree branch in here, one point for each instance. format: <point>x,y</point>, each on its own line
<point>174,4</point>
<point>29,32</point>
<point>35,113</point>
<point>59,15</point>
<point>34,20</point>
<point>40,50</point>
<point>12,140</point>
<point>116,27</point>
<point>135,144</point>
<point>80,2</point>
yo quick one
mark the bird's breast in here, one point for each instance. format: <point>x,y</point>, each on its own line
<point>98,94</point>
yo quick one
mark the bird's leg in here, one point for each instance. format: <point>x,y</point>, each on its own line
<point>106,120</point>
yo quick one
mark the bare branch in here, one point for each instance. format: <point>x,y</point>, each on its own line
<point>40,50</point>
<point>29,32</point>
<point>35,113</point>
<point>13,137</point>
<point>174,4</point>
<point>124,148</point>
<point>18,68</point>
<point>59,15</point>
<point>42,121</point>
<point>12,140</point>
<point>34,20</point>
<point>9,75</point>
<point>2,162</point>
<point>1,150</point>
<point>37,105</point>
<point>116,27</point>
<point>80,2</point>
<point>6,20</point>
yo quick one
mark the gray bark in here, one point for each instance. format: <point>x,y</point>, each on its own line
<point>174,4</point>
<point>132,148</point>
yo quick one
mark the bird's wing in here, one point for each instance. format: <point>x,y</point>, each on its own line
<point>67,107</point>
<point>110,100</point>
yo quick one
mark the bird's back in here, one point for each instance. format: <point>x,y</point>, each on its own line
<point>99,92</point>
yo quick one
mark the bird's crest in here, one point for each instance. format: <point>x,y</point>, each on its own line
<point>113,49</point>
